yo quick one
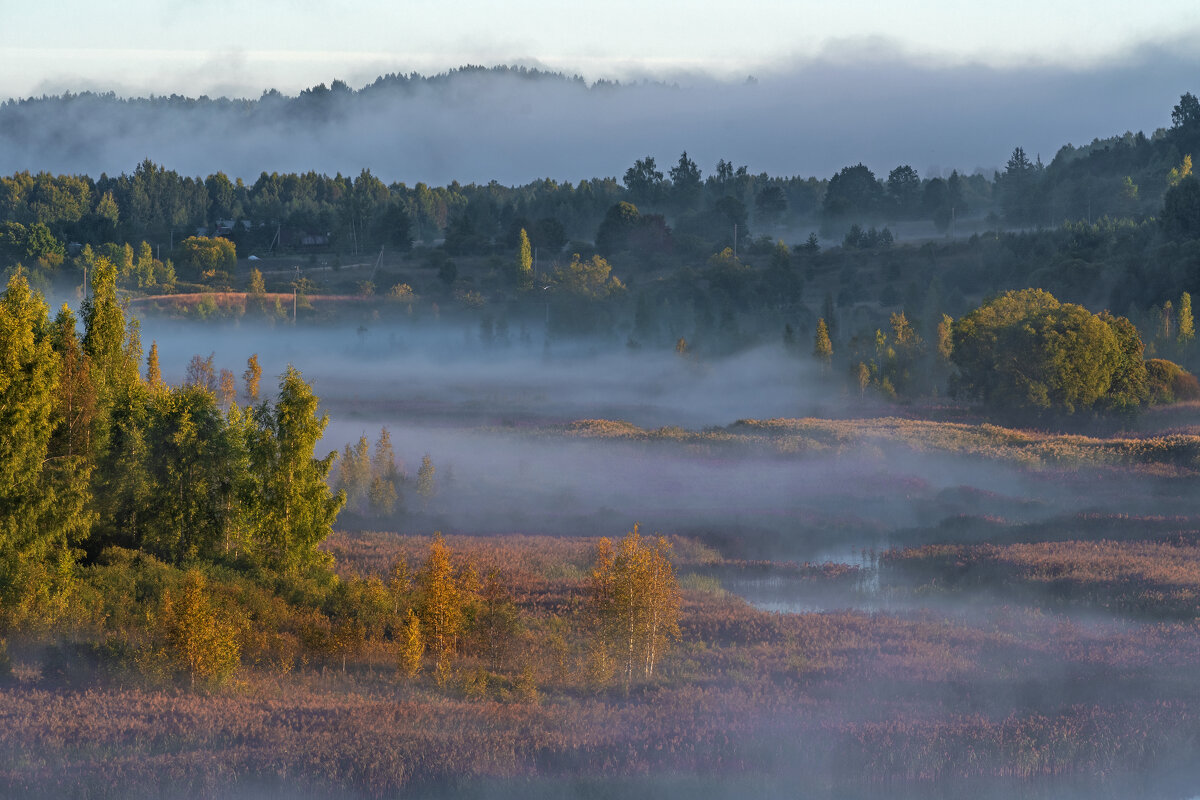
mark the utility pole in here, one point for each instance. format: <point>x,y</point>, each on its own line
<point>735,241</point>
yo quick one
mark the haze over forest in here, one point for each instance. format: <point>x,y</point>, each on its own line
<point>863,104</point>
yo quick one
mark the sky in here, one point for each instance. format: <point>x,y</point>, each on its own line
<point>239,49</point>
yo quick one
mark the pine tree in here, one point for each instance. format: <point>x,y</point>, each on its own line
<point>153,371</point>
<point>29,374</point>
<point>384,476</point>
<point>524,262</point>
<point>354,474</point>
<point>295,508</point>
<point>822,347</point>
<point>108,339</point>
<point>76,397</point>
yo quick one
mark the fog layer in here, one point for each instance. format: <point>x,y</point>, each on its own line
<point>810,119</point>
<point>491,420</point>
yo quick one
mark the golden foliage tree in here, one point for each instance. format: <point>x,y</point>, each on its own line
<point>442,606</point>
<point>635,603</point>
<point>199,639</point>
<point>251,378</point>
<point>822,346</point>
<point>412,647</point>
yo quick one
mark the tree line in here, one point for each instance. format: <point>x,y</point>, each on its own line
<point>1121,177</point>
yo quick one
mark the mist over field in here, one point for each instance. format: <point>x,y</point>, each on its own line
<point>491,419</point>
<point>838,488</point>
<point>853,104</point>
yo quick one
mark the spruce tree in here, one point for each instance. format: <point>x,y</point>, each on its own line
<point>385,476</point>
<point>295,508</point>
<point>425,486</point>
<point>153,371</point>
<point>524,262</point>
<point>35,555</point>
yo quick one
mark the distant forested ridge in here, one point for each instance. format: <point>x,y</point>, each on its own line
<point>668,254</point>
<point>1120,177</point>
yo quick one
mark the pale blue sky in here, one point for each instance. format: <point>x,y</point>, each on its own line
<point>224,47</point>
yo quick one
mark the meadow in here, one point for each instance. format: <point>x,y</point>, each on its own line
<point>1048,652</point>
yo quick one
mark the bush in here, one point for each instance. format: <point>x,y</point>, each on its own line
<point>1170,383</point>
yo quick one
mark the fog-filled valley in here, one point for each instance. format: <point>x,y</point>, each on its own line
<point>834,479</point>
<point>498,422</point>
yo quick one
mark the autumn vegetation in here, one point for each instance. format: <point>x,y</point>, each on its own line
<point>198,597</point>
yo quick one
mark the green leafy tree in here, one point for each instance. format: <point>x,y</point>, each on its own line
<point>686,184</point>
<point>30,542</point>
<point>852,193</point>
<point>644,181</point>
<point>619,224</point>
<point>904,192</point>
<point>1127,390</point>
<point>591,279</point>
<point>190,510</point>
<point>1026,351</point>
<point>1181,209</point>
<point>208,260</point>
<point>1186,114</point>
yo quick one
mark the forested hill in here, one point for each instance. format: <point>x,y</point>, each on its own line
<point>513,125</point>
